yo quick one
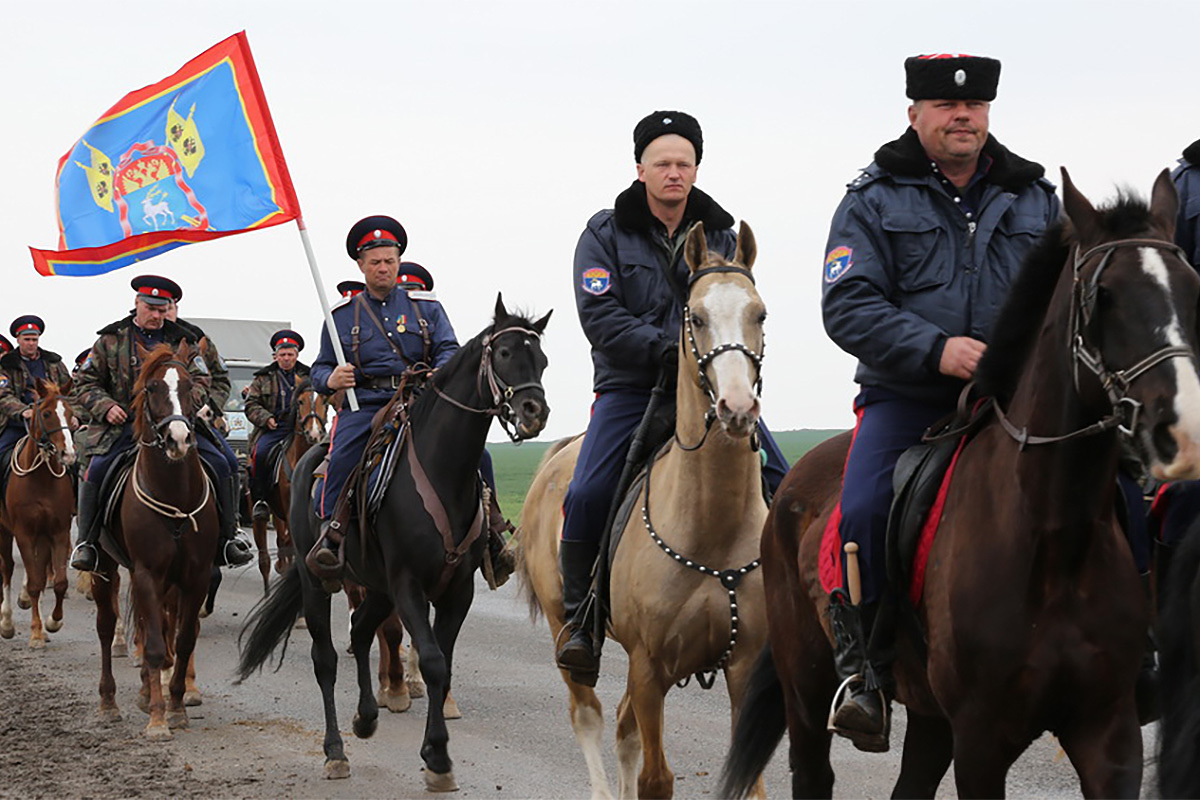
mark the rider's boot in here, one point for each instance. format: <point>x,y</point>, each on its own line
<point>231,550</point>
<point>1146,690</point>
<point>500,557</point>
<point>327,560</point>
<point>860,711</point>
<point>258,495</point>
<point>86,557</point>
<point>577,654</point>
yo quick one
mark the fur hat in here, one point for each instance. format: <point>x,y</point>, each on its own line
<point>660,123</point>
<point>952,76</point>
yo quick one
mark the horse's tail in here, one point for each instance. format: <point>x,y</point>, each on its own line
<point>270,623</point>
<point>524,580</point>
<point>1179,625</point>
<point>760,725</point>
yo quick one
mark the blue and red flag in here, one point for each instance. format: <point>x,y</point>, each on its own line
<point>190,158</point>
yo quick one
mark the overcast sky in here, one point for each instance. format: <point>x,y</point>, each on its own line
<point>493,130</point>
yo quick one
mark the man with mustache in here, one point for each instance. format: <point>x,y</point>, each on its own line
<point>921,253</point>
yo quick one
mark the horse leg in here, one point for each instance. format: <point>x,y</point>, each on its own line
<point>120,647</point>
<point>210,600</point>
<point>1106,751</point>
<point>264,555</point>
<point>7,630</point>
<point>60,554</point>
<point>324,658</point>
<point>393,689</point>
<point>285,552</point>
<point>147,600</point>
<point>103,592</point>
<point>629,747</point>
<point>928,749</point>
<point>737,678</point>
<point>415,681</point>
<point>183,679</point>
<point>646,696</point>
<point>35,556</point>
<point>373,610</point>
<point>983,754</point>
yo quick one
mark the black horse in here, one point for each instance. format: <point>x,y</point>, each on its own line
<point>429,543</point>
<point>1179,639</point>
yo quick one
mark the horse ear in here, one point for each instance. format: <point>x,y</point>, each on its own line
<point>1080,211</point>
<point>501,311</point>
<point>142,353</point>
<point>540,325</point>
<point>747,249</point>
<point>1164,204</point>
<point>183,350</point>
<point>39,386</point>
<point>695,249</point>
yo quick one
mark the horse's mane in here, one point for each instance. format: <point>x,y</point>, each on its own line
<point>1020,319</point>
<point>154,359</point>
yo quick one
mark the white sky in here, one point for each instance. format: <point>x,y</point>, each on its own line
<point>493,130</point>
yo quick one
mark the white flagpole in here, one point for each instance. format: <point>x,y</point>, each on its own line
<point>329,326</point>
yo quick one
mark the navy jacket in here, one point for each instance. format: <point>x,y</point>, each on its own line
<point>907,266</point>
<point>374,356</point>
<point>1187,182</point>
<point>628,309</point>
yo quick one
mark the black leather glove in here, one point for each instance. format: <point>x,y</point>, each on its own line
<point>669,355</point>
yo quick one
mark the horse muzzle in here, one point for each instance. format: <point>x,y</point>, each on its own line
<point>529,414</point>
<point>739,418</point>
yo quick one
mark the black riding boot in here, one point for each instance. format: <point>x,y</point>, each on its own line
<point>231,551</point>
<point>860,710</point>
<point>86,557</point>
<point>577,655</point>
<point>259,489</point>
<point>500,562</point>
<point>1146,690</point>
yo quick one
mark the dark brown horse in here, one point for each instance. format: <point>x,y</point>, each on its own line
<point>1032,610</point>
<point>167,524</point>
<point>37,511</point>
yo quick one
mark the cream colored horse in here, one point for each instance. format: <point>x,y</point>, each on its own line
<point>706,506</point>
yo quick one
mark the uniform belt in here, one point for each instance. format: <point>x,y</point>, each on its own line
<point>391,382</point>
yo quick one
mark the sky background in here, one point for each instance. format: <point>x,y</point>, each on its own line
<point>494,130</point>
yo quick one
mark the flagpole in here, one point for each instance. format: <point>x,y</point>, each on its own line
<point>329,326</point>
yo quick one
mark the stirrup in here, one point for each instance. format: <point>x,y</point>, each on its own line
<point>261,510</point>
<point>868,742</point>
<point>85,557</point>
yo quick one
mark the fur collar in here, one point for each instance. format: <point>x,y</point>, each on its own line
<point>1192,153</point>
<point>12,359</point>
<point>302,370</point>
<point>632,212</point>
<point>906,157</point>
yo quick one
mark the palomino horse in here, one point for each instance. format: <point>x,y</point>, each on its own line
<point>1179,651</point>
<point>167,524</point>
<point>308,412</point>
<point>431,534</point>
<point>684,567</point>
<point>38,506</point>
<point>1031,607</point>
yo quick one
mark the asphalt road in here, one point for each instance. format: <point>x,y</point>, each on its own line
<point>263,738</point>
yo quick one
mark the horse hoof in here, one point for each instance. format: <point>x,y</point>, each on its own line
<point>158,732</point>
<point>37,644</point>
<point>397,703</point>
<point>416,688</point>
<point>365,728</point>
<point>177,719</point>
<point>204,612</point>
<point>440,781</point>
<point>337,769</point>
<point>24,603</point>
<point>143,703</point>
<point>119,649</point>
<point>110,715</point>
<point>192,698</point>
<point>7,631</point>
<point>54,625</point>
<point>301,623</point>
<point>450,709</point>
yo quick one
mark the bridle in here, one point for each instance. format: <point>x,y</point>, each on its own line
<point>302,426</point>
<point>501,393</point>
<point>1115,383</point>
<point>704,360</point>
<point>47,452</point>
<point>159,440</point>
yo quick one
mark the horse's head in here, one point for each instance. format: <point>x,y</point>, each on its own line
<point>723,330</point>
<point>52,422</point>
<point>1134,337</point>
<point>163,406</point>
<point>310,408</point>
<point>511,370</point>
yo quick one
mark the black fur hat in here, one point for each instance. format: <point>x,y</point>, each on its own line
<point>952,76</point>
<point>660,123</point>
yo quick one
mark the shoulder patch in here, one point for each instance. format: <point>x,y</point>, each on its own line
<point>838,262</point>
<point>87,362</point>
<point>198,363</point>
<point>596,281</point>
<point>3,381</point>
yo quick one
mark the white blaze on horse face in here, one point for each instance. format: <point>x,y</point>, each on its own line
<point>1186,431</point>
<point>60,410</point>
<point>732,373</point>
<point>177,431</point>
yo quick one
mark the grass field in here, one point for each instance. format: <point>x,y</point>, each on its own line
<point>515,464</point>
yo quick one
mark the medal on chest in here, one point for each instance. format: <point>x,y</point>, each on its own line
<point>401,323</point>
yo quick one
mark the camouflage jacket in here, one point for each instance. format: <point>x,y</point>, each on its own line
<point>219,385</point>
<point>16,383</point>
<point>263,397</point>
<point>107,376</point>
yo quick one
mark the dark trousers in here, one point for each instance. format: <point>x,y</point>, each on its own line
<point>1178,506</point>
<point>615,417</point>
<point>260,471</point>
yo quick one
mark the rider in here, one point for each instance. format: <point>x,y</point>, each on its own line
<point>629,274</point>
<point>19,371</point>
<point>106,382</point>
<point>384,330</point>
<point>269,403</point>
<point>5,345</point>
<point>921,253</point>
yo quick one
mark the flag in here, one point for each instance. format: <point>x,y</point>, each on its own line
<point>190,158</point>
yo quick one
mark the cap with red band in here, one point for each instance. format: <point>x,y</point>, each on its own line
<point>156,290</point>
<point>413,276</point>
<point>27,324</point>
<point>287,338</point>
<point>376,231</point>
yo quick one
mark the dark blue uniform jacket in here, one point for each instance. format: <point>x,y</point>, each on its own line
<point>1187,182</point>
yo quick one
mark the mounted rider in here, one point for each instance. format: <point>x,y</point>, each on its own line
<point>384,331</point>
<point>269,406</point>
<point>921,253</point>
<point>629,290</point>
<point>105,390</point>
<point>19,371</point>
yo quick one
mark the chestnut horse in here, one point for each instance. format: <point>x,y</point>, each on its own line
<point>677,606</point>
<point>1032,610</point>
<point>167,524</point>
<point>37,510</point>
<point>308,412</point>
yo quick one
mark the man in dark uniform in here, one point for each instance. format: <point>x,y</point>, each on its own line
<point>627,263</point>
<point>5,345</point>
<point>269,409</point>
<point>106,382</point>
<point>19,371</point>
<point>921,253</point>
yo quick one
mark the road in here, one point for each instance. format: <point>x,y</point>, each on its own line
<point>263,738</point>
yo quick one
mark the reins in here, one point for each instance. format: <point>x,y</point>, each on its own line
<point>166,509</point>
<point>46,453</point>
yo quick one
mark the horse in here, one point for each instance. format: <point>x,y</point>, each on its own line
<point>1179,654</point>
<point>167,524</point>
<point>1032,612</point>
<point>308,411</point>
<point>396,689</point>
<point>37,511</point>
<point>424,558</point>
<point>686,596</point>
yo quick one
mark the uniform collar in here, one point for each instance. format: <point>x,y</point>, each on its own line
<point>632,212</point>
<point>905,157</point>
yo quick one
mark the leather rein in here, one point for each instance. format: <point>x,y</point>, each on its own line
<point>46,453</point>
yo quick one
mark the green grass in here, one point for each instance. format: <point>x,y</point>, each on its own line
<point>515,464</point>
